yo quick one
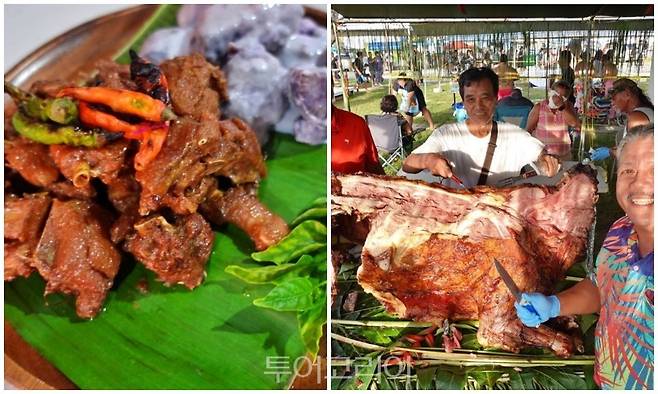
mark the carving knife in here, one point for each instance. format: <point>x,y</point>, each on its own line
<point>513,288</point>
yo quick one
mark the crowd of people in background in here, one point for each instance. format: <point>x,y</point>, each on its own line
<point>554,121</point>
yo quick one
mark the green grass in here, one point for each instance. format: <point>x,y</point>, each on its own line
<point>440,105</point>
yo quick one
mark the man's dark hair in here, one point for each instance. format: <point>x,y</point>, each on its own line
<point>566,55</point>
<point>476,74</point>
<point>389,103</point>
<point>503,57</point>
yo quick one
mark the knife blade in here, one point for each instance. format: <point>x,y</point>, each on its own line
<point>507,279</point>
<point>457,180</point>
<point>513,288</point>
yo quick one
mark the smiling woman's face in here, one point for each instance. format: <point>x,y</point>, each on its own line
<point>635,182</point>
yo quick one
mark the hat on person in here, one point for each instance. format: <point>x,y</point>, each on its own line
<point>623,84</point>
<point>405,75</point>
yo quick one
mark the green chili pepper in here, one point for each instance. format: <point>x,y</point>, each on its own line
<point>59,110</point>
<point>51,134</point>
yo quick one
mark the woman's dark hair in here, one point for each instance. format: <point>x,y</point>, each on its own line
<point>476,74</point>
<point>503,57</point>
<point>562,84</point>
<point>644,99</point>
<point>389,103</point>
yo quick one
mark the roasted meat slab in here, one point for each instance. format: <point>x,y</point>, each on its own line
<point>429,253</point>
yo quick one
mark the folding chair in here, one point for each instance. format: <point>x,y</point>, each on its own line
<point>387,134</point>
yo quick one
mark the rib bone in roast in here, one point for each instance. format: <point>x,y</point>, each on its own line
<point>428,255</point>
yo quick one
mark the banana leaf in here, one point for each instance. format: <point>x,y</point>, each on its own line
<point>171,338</point>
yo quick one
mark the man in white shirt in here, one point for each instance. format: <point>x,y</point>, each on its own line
<point>461,148</point>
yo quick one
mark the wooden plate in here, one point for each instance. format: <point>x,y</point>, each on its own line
<point>61,58</point>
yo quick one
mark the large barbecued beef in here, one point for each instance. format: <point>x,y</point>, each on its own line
<point>196,86</point>
<point>192,151</point>
<point>429,253</point>
<point>177,252</point>
<point>31,160</point>
<point>80,164</point>
<point>75,255</point>
<point>24,219</point>
<point>240,205</point>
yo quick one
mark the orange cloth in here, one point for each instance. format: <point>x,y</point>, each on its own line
<point>352,147</point>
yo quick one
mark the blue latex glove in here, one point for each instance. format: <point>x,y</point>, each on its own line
<point>545,307</point>
<point>601,153</point>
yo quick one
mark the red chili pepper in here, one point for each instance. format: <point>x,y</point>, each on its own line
<point>406,356</point>
<point>95,118</point>
<point>123,101</point>
<point>414,338</point>
<point>429,338</point>
<point>150,79</point>
<point>392,361</point>
<point>150,147</point>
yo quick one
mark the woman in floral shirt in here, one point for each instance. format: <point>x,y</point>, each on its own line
<point>621,289</point>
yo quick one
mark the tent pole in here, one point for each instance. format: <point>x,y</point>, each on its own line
<point>346,92</point>
<point>411,51</point>
<point>587,95</point>
<point>390,60</point>
<point>548,58</point>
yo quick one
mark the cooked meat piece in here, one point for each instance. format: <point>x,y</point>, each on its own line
<point>112,75</point>
<point>180,163</point>
<point>123,192</point>
<point>123,225</point>
<point>240,205</point>
<point>24,219</point>
<point>177,252</point>
<point>31,160</point>
<point>338,256</point>
<point>65,190</point>
<point>239,157</point>
<point>192,196</point>
<point>80,164</point>
<point>429,253</point>
<point>192,151</point>
<point>49,88</point>
<point>196,86</point>
<point>75,255</point>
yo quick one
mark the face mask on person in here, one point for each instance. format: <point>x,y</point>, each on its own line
<point>551,103</point>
